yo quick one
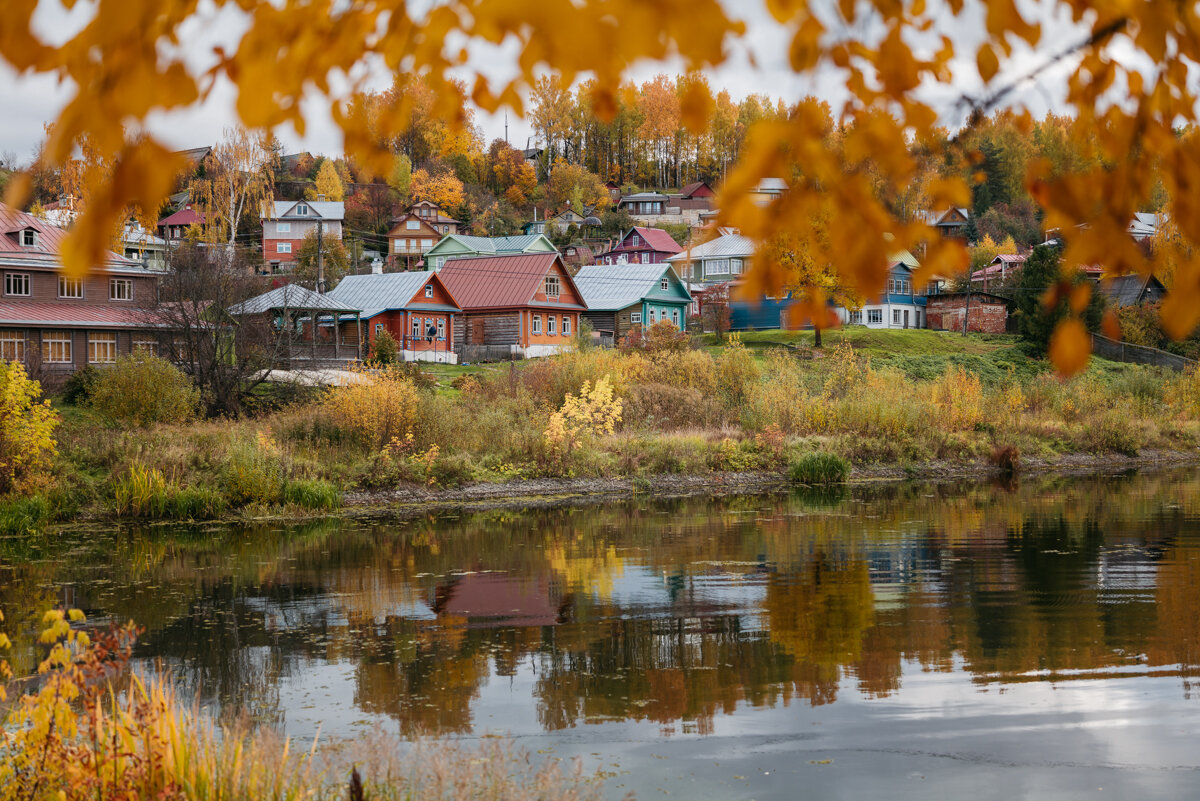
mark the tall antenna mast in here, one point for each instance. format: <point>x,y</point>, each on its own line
<point>506,125</point>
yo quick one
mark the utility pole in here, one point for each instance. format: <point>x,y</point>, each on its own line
<point>320,263</point>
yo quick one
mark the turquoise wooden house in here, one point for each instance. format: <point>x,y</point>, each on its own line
<point>460,245</point>
<point>620,296</point>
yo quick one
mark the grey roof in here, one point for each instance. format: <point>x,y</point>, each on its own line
<point>1129,290</point>
<point>497,244</point>
<point>377,293</point>
<point>934,216</point>
<point>290,296</point>
<point>610,287</point>
<point>771,185</point>
<point>325,210</point>
<point>734,245</point>
<point>644,196</point>
<point>1145,224</point>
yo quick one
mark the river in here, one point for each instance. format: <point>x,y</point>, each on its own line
<point>1034,640</point>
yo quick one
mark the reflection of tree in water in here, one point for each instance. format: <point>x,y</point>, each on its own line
<point>618,610</point>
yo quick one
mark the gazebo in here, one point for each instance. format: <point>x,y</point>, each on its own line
<point>290,305</point>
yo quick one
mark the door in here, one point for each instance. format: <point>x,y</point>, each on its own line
<point>906,318</point>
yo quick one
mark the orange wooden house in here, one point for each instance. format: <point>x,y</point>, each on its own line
<point>523,305</point>
<point>416,308</point>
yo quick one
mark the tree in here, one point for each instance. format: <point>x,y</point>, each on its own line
<point>238,182</point>
<point>370,209</point>
<point>1048,294</point>
<point>335,262</point>
<point>570,183</point>
<point>442,189</point>
<point>329,185</point>
<point>400,178</point>
<point>895,76</point>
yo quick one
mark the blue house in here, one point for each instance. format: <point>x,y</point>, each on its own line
<point>620,296</point>
<point>900,305</point>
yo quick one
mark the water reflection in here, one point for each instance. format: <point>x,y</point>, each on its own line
<point>672,612</point>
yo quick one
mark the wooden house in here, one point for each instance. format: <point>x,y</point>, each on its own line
<point>641,246</point>
<point>410,239</point>
<point>1132,290</point>
<point>619,297</point>
<point>644,204</point>
<point>416,308</point>
<point>521,305</point>
<point>716,261</point>
<point>456,246</point>
<point>698,195</point>
<point>431,213</point>
<point>899,306</point>
<point>950,222</point>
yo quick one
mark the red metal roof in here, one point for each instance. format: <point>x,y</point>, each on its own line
<point>74,315</point>
<point>659,240</point>
<point>185,216</point>
<point>692,189</point>
<point>49,239</point>
<point>489,282</point>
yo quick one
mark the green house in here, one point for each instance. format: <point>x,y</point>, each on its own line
<point>459,245</point>
<point>620,296</point>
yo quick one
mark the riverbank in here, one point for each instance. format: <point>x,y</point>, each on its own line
<point>739,416</point>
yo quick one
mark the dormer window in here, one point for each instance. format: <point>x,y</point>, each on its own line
<point>635,240</point>
<point>29,237</point>
<point>302,210</point>
<point>429,290</point>
<point>664,285</point>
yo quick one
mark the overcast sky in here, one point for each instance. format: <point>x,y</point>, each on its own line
<point>757,64</point>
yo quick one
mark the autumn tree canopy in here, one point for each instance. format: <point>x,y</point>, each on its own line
<point>888,54</point>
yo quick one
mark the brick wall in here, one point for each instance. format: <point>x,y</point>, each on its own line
<point>987,315</point>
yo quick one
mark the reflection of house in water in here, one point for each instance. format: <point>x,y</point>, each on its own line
<point>489,600</point>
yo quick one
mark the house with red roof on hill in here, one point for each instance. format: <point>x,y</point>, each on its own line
<point>513,306</point>
<point>174,227</point>
<point>641,246</point>
<point>54,322</point>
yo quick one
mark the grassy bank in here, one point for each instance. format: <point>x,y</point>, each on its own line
<point>768,403</point>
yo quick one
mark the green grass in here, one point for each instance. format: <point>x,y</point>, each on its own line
<point>818,469</point>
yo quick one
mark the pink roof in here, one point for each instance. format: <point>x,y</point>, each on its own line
<point>77,314</point>
<point>499,600</point>
<point>185,216</point>
<point>659,239</point>
<point>491,282</point>
<point>50,239</point>
<point>1010,258</point>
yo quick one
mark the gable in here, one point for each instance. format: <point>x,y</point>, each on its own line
<point>424,229</point>
<point>675,290</point>
<point>441,295</point>
<point>567,291</point>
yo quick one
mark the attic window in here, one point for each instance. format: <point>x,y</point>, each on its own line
<point>664,285</point>
<point>302,210</point>
<point>413,225</point>
<point>635,240</point>
<point>552,286</point>
<point>29,237</point>
<point>429,290</point>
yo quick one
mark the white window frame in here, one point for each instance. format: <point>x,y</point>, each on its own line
<point>895,317</point>
<point>302,210</point>
<point>102,347</point>
<point>551,325</point>
<point>429,290</point>
<point>29,238</point>
<point>553,286</point>
<point>675,317</point>
<point>426,244</point>
<point>416,328</point>
<point>65,283</point>
<point>114,295</point>
<point>664,284</point>
<point>283,228</point>
<point>635,318</point>
<point>875,316</point>
<point>12,346</point>
<point>146,346</point>
<point>11,278</point>
<point>735,266</point>
<point>412,225</point>
<point>716,267</point>
<point>283,247</point>
<point>536,326</point>
<point>57,346</point>
<point>441,329</point>
<point>855,317</point>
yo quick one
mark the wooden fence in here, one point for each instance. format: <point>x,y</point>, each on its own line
<point>1138,354</point>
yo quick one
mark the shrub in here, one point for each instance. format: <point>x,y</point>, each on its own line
<point>77,389</point>
<point>142,389</point>
<point>661,337</point>
<point>376,410</point>
<point>26,431</point>
<point>195,503</point>
<point>385,350</point>
<point>142,492</point>
<point>959,394</point>
<point>24,515</point>
<point>737,371</point>
<point>595,410</point>
<point>254,473</point>
<point>819,469</point>
<point>313,494</point>
<point>667,408</point>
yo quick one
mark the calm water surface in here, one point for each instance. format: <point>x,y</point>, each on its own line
<point>1033,641</point>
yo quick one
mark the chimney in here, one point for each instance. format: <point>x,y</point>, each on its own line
<point>376,266</point>
<point>320,198</point>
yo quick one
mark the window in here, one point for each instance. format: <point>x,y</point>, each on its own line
<point>302,210</point>
<point>102,347</point>
<point>537,323</point>
<point>438,261</point>
<point>635,240</point>
<point>445,228</point>
<point>653,316</point>
<point>717,267</point>
<point>12,346</point>
<point>441,325</point>
<point>429,290</point>
<point>283,247</point>
<point>70,287</point>
<point>566,326</point>
<point>664,284</point>
<point>855,317</point>
<point>146,346</point>
<point>895,316</point>
<point>283,228</point>
<point>635,318</point>
<point>378,329</point>
<point>430,329</point>
<point>675,317</point>
<point>120,289</point>
<point>413,225</point>
<point>874,316</point>
<point>16,284</point>
<point>56,346</point>
<point>552,287</point>
<point>29,237</point>
<point>426,244</point>
<point>416,328</point>
<point>552,325</point>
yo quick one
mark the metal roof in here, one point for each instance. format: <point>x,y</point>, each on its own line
<point>495,244</point>
<point>323,210</point>
<point>725,246</point>
<point>77,315</point>
<point>380,292</point>
<point>490,282</point>
<point>290,296</point>
<point>612,287</point>
<point>48,250</point>
<point>1129,290</point>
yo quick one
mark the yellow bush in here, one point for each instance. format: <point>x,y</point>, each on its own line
<point>594,411</point>
<point>376,410</point>
<point>691,369</point>
<point>737,372</point>
<point>26,430</point>
<point>959,395</point>
<point>1183,393</point>
<point>142,390</point>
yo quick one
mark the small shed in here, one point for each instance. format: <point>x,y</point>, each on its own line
<point>620,297</point>
<point>1131,290</point>
<point>293,308</point>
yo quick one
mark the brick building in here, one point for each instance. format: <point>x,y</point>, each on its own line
<point>985,313</point>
